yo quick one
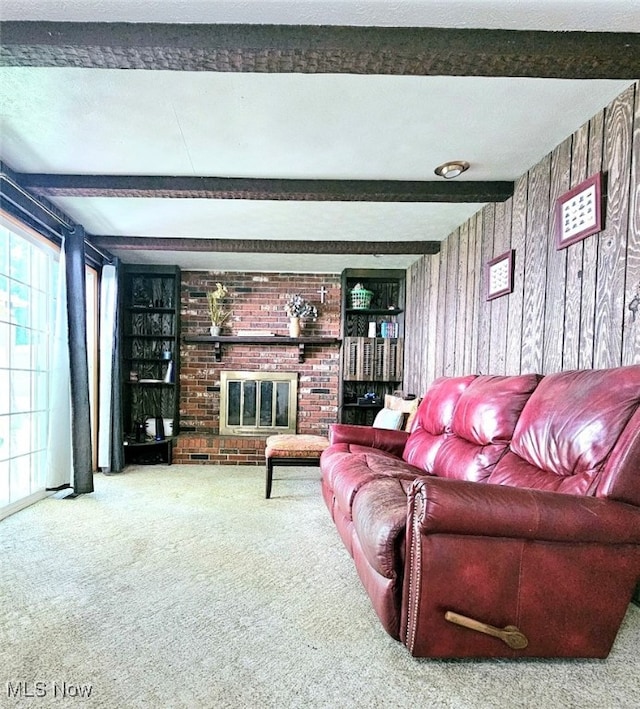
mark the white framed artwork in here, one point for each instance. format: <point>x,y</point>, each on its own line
<point>500,275</point>
<point>579,212</point>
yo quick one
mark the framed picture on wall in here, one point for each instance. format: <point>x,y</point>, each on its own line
<point>579,212</point>
<point>500,275</point>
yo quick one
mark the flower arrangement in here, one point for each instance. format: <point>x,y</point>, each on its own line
<point>217,313</point>
<point>298,307</point>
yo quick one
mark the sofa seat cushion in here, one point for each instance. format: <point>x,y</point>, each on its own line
<point>379,521</point>
<point>517,472</point>
<point>347,468</point>
<point>343,456</point>
<point>568,429</point>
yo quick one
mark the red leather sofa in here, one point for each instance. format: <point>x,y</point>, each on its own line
<point>506,523</point>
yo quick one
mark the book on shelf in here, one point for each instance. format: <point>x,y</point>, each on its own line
<point>389,329</point>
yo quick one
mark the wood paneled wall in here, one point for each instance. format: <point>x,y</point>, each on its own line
<point>569,309</point>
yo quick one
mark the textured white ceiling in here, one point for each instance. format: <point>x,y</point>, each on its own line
<point>291,126</point>
<point>286,125</point>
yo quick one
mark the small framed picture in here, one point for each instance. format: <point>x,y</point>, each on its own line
<point>579,212</point>
<point>500,275</point>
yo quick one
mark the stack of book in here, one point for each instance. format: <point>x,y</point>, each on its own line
<point>389,329</point>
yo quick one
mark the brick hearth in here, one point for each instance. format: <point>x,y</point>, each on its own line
<point>256,301</point>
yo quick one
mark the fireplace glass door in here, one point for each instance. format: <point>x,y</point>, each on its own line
<point>253,403</point>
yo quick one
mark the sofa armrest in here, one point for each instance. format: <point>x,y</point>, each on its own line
<point>459,507</point>
<point>384,439</point>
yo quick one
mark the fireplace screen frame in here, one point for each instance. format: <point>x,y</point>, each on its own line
<point>231,422</point>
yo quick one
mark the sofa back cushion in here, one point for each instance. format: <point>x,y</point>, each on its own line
<point>433,420</point>
<point>483,423</point>
<point>571,436</point>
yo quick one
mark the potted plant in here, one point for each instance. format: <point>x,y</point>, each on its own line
<point>217,313</point>
<point>296,308</point>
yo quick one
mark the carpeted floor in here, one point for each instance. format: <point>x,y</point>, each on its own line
<point>182,586</point>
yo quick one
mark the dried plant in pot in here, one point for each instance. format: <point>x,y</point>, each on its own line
<point>217,312</point>
<point>297,308</point>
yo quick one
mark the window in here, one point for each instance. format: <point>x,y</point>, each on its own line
<point>28,279</point>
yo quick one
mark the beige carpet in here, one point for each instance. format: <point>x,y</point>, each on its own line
<point>182,586</point>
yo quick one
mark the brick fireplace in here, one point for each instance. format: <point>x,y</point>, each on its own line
<point>256,302</point>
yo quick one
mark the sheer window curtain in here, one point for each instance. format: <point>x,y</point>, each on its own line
<point>59,445</point>
<point>110,454</point>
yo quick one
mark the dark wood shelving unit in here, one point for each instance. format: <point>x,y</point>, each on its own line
<point>371,364</point>
<point>277,340</point>
<point>149,452</point>
<point>150,333</point>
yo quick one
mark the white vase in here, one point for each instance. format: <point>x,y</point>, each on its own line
<point>214,330</point>
<point>294,327</point>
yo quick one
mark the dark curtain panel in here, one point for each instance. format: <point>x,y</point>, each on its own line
<point>79,368</point>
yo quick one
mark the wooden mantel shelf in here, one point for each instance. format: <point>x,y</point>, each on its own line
<point>279,340</point>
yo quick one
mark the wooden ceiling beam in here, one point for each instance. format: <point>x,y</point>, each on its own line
<point>264,189</point>
<point>308,49</point>
<point>264,246</point>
